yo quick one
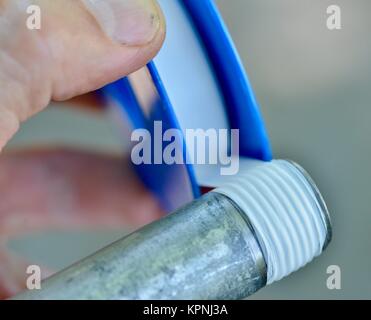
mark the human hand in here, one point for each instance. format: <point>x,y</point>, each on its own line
<point>81,46</point>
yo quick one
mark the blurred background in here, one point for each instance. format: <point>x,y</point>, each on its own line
<point>314,89</point>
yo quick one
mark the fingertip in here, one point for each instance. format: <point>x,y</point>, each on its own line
<point>129,22</point>
<point>98,59</point>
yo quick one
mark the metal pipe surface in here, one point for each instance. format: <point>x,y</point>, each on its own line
<point>206,250</point>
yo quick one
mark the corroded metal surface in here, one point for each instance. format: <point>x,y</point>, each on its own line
<point>206,250</point>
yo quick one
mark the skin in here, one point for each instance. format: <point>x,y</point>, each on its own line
<point>55,189</point>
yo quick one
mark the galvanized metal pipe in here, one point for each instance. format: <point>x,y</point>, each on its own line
<point>207,250</point>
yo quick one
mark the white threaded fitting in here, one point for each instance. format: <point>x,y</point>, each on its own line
<point>286,211</point>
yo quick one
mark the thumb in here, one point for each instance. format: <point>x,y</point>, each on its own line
<point>81,46</point>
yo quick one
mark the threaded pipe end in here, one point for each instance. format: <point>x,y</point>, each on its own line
<point>286,211</point>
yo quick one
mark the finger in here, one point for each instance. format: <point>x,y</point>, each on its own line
<point>65,190</point>
<point>12,273</point>
<point>81,46</point>
<point>70,190</point>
